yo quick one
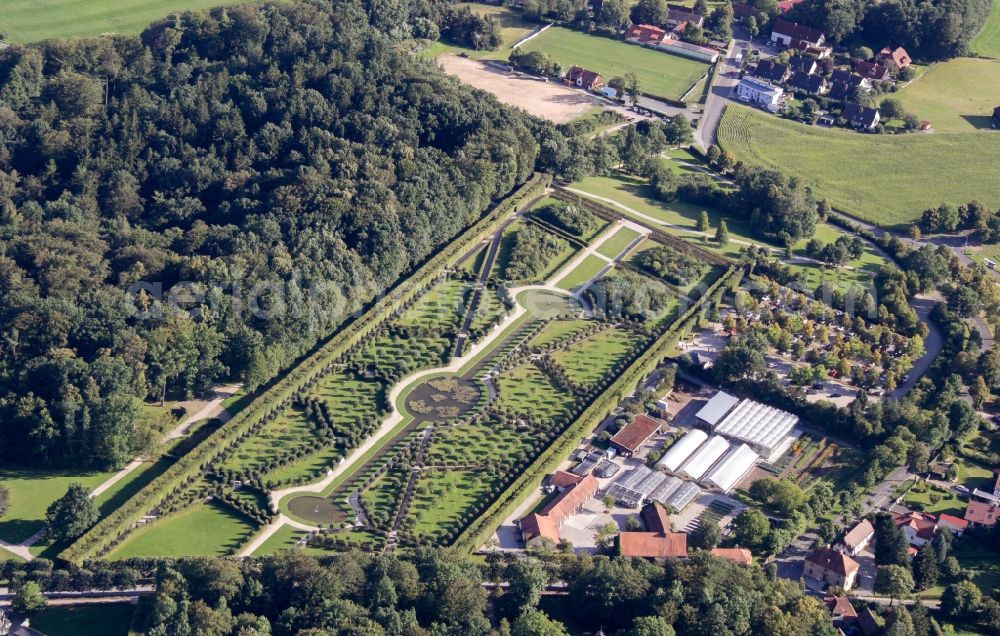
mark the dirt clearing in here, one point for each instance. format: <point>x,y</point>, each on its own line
<point>550,100</point>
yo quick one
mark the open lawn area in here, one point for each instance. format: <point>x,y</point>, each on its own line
<point>956,96</point>
<point>206,529</point>
<point>617,243</point>
<point>33,20</point>
<point>31,493</point>
<point>987,43</point>
<point>587,361</point>
<point>587,269</point>
<point>660,74</point>
<point>286,538</point>
<point>884,179</point>
<point>513,28</point>
<point>106,619</point>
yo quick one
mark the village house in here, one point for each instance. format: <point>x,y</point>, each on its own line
<point>842,612</point>
<point>658,542</point>
<point>861,117</point>
<point>872,71</point>
<point>678,15</point>
<point>583,78</point>
<point>919,527</point>
<point>812,84</point>
<point>633,435</point>
<point>796,36</point>
<point>742,556</point>
<point>771,71</point>
<point>894,59</point>
<point>645,34</point>
<point>857,539</point>
<point>953,524</point>
<point>539,527</point>
<point>743,11</point>
<point>802,64</point>
<point>756,91</point>
<point>851,79</point>
<point>831,567</point>
<point>982,513</point>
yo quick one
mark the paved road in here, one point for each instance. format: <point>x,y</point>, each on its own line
<point>727,75</point>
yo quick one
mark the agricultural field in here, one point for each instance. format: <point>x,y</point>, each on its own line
<point>860,174</point>
<point>32,20</point>
<point>956,96</point>
<point>987,43</point>
<point>660,74</point>
<point>513,28</point>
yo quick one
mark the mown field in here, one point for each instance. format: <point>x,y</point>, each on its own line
<point>956,96</point>
<point>33,20</point>
<point>884,179</point>
<point>987,43</point>
<point>660,74</point>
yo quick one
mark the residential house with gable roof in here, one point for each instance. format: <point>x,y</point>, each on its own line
<point>796,36</point>
<point>832,568</point>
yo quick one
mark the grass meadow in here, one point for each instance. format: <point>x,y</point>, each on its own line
<point>660,74</point>
<point>617,243</point>
<point>888,180</point>
<point>956,96</point>
<point>106,619</point>
<point>31,493</point>
<point>33,20</point>
<point>206,529</point>
<point>583,272</point>
<point>987,43</point>
<point>512,28</point>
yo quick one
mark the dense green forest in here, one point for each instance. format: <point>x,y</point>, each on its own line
<point>290,159</point>
<point>440,592</point>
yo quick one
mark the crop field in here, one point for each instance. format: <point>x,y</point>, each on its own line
<point>956,96</point>
<point>33,20</point>
<point>987,43</point>
<point>660,74</point>
<point>888,180</point>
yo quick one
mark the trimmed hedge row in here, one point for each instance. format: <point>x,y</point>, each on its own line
<point>268,404</point>
<point>478,532</point>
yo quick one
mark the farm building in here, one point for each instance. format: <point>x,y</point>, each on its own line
<point>716,408</point>
<point>796,36</point>
<point>705,458</point>
<point>633,435</point>
<point>545,525</point>
<point>766,429</point>
<point>658,541</point>
<point>733,467</point>
<point>685,494</point>
<point>682,449</point>
<point>633,488</point>
<point>858,538</point>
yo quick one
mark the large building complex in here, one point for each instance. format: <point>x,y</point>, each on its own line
<point>682,449</point>
<point>545,525</point>
<point>769,431</point>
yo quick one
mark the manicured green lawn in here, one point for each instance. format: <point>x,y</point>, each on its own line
<point>526,389</point>
<point>32,20</point>
<point>206,529</point>
<point>885,179</point>
<point>587,361</point>
<point>317,462</point>
<point>987,43</point>
<point>660,74</point>
<point>614,245</point>
<point>106,619</point>
<point>289,430</point>
<point>440,308</point>
<point>441,497</point>
<point>286,538</point>
<point>587,269</point>
<point>956,96</point>
<point>558,329</point>
<point>31,493</point>
<point>512,28</point>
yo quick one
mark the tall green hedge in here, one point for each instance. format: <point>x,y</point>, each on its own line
<point>120,522</point>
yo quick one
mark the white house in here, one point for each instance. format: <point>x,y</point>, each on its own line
<point>756,91</point>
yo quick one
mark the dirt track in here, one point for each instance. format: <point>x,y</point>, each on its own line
<point>550,100</point>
